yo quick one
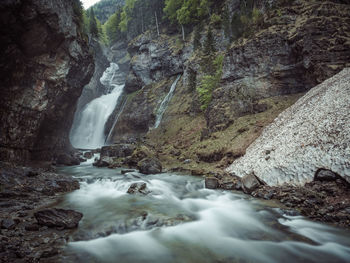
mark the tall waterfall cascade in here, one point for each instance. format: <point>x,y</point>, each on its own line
<point>164,105</point>
<point>89,132</point>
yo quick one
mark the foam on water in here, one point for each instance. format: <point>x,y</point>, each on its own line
<point>220,226</point>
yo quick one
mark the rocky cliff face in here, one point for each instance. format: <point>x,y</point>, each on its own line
<point>313,134</point>
<point>298,46</point>
<point>94,88</point>
<point>154,59</point>
<point>303,44</point>
<point>45,64</point>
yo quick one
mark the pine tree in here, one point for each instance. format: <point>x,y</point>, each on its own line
<point>226,22</point>
<point>236,26</point>
<point>197,38</point>
<point>93,24</point>
<point>192,79</point>
<point>209,44</point>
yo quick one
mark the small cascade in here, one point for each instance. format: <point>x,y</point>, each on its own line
<point>89,132</point>
<point>115,121</point>
<point>163,106</point>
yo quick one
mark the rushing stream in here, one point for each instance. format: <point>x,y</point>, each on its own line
<point>181,221</point>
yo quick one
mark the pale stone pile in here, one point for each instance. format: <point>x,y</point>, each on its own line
<point>314,133</point>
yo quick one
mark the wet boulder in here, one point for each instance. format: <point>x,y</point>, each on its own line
<point>103,162</point>
<point>150,166</point>
<point>88,155</point>
<point>125,171</point>
<point>66,159</point>
<point>138,188</point>
<point>211,183</point>
<point>250,183</point>
<point>61,218</point>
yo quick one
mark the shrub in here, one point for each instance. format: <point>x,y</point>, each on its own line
<point>209,83</point>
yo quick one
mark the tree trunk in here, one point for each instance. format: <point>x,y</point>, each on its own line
<point>155,13</point>
<point>183,33</point>
<point>143,29</point>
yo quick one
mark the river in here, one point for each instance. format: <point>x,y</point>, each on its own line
<point>181,221</point>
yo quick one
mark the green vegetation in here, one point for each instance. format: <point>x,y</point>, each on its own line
<point>197,38</point>
<point>93,30</point>
<point>134,18</point>
<point>209,44</point>
<point>105,8</point>
<point>210,82</point>
<point>187,12</point>
<point>112,29</point>
<point>192,80</point>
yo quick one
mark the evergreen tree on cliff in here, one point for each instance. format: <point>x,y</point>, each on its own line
<point>93,24</point>
<point>209,44</point>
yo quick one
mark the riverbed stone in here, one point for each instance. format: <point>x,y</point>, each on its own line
<point>65,219</point>
<point>150,166</point>
<point>125,171</point>
<point>211,183</point>
<point>136,188</point>
<point>88,155</point>
<point>103,162</point>
<point>250,183</point>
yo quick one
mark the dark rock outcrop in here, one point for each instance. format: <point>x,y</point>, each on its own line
<point>61,218</point>
<point>45,62</point>
<point>150,166</point>
<point>24,191</point>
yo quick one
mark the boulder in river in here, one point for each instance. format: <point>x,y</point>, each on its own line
<point>103,162</point>
<point>136,188</point>
<point>150,166</point>
<point>66,219</point>
<point>88,155</point>
<point>125,171</point>
<point>250,183</point>
<point>211,182</point>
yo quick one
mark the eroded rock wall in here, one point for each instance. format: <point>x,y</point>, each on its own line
<point>45,62</point>
<point>297,47</point>
<point>312,134</point>
<point>303,44</point>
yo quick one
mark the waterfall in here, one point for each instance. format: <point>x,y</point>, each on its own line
<point>163,106</point>
<point>116,120</point>
<point>89,133</point>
